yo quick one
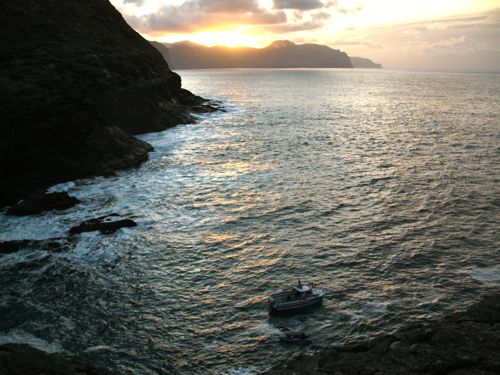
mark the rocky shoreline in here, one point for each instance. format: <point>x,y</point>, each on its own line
<point>77,82</point>
<point>463,343</point>
<point>107,224</point>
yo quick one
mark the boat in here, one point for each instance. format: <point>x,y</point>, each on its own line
<point>299,297</point>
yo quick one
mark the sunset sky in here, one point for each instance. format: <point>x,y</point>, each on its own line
<point>433,34</point>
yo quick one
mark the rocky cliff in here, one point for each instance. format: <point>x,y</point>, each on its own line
<point>75,82</point>
<point>279,54</point>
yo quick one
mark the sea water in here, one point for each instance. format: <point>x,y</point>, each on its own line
<point>380,186</point>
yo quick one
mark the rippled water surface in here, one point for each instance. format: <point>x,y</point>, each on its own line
<point>381,186</point>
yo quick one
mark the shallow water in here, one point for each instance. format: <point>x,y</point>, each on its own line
<point>381,186</point>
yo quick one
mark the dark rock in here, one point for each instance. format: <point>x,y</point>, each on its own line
<point>19,359</point>
<point>43,202</point>
<point>75,83</point>
<point>8,247</point>
<point>464,343</point>
<point>53,244</point>
<point>102,225</point>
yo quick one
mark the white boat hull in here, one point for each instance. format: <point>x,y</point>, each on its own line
<point>295,306</point>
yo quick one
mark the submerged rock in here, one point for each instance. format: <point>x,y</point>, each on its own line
<point>76,83</point>
<point>42,202</point>
<point>103,225</point>
<point>464,343</point>
<point>8,247</point>
<point>19,359</point>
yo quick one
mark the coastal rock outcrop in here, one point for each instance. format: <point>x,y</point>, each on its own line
<point>76,82</point>
<point>464,343</point>
<point>103,224</point>
<point>43,202</point>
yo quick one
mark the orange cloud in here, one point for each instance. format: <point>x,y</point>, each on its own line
<point>196,15</point>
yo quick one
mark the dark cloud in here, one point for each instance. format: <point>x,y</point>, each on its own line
<point>298,4</point>
<point>194,15</point>
<point>225,6</point>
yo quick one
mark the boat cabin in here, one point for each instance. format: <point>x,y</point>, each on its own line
<point>302,289</point>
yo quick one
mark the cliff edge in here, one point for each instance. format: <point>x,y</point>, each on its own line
<point>75,83</point>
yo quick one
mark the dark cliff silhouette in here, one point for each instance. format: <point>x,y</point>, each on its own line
<point>75,82</point>
<point>361,62</point>
<point>280,54</point>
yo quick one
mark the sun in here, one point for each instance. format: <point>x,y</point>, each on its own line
<point>228,38</point>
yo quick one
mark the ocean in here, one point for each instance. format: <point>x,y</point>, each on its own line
<point>380,186</point>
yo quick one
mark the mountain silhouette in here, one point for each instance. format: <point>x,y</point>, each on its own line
<point>279,54</point>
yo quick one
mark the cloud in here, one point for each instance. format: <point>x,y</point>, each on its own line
<point>302,22</point>
<point>196,15</point>
<point>191,16</point>
<point>461,42</point>
<point>298,4</point>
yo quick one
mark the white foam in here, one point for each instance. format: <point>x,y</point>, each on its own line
<point>243,371</point>
<point>97,348</point>
<point>90,249</point>
<point>485,274</point>
<point>99,195</point>
<point>18,336</point>
<point>64,187</point>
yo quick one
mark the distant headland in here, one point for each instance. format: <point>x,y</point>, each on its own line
<point>279,54</point>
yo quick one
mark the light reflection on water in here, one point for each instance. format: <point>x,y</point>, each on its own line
<point>381,186</point>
